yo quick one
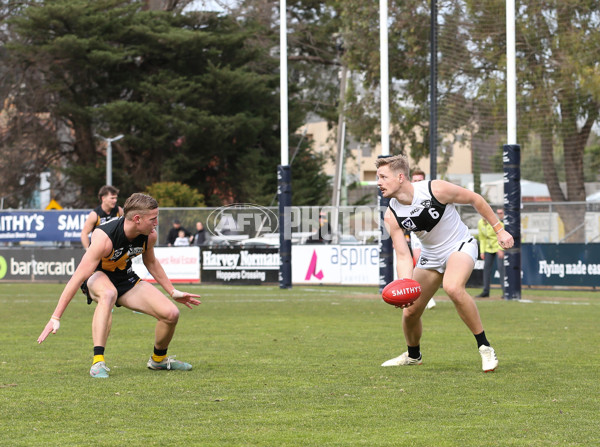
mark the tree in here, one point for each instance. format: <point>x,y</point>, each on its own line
<point>557,73</point>
<point>175,194</point>
<point>194,95</point>
<point>558,85</point>
<point>408,71</point>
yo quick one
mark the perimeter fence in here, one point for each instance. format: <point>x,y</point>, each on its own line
<point>541,222</point>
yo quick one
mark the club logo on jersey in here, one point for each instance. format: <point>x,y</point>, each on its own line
<point>426,203</point>
<point>409,224</point>
<point>117,254</point>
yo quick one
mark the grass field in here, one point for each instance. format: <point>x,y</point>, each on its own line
<point>301,367</point>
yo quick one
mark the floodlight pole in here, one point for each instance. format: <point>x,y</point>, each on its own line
<point>109,142</point>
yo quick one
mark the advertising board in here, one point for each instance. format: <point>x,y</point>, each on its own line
<point>238,265</point>
<point>38,264</point>
<point>335,264</point>
<point>181,264</point>
<point>38,226</point>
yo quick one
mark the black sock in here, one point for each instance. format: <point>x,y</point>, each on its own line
<point>159,352</point>
<point>414,352</point>
<point>481,340</point>
<point>98,350</point>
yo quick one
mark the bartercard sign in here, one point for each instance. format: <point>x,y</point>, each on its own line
<point>38,264</point>
<point>38,226</point>
<point>237,265</point>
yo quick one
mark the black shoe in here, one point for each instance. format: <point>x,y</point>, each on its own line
<point>483,295</point>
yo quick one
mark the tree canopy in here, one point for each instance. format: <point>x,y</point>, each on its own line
<point>194,96</point>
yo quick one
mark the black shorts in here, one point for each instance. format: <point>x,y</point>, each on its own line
<point>122,284</point>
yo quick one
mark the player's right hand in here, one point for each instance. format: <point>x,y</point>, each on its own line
<point>52,326</point>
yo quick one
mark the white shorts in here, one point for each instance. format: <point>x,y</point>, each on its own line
<point>436,260</point>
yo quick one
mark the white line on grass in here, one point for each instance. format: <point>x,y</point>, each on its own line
<point>572,303</point>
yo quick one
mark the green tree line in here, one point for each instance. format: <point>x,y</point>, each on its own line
<point>193,93</point>
<point>196,93</point>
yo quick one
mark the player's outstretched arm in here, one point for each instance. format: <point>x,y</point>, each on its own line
<point>404,261</point>
<point>185,298</point>
<point>158,273</point>
<point>100,245</point>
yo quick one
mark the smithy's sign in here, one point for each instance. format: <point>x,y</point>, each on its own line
<point>55,226</point>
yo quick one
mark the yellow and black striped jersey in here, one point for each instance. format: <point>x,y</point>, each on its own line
<point>104,217</point>
<point>118,262</point>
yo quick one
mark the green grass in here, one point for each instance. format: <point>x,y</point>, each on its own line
<point>301,367</point>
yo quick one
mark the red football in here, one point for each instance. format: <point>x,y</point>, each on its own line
<point>401,292</point>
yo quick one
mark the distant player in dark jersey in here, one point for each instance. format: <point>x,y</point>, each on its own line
<point>448,251</point>
<point>112,281</point>
<point>105,212</point>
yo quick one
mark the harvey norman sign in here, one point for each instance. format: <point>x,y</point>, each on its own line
<point>237,265</point>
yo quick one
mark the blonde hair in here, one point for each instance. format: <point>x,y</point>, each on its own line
<point>397,163</point>
<point>138,203</point>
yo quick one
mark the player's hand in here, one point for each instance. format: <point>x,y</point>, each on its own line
<point>404,306</point>
<point>185,298</point>
<point>51,326</point>
<point>505,239</point>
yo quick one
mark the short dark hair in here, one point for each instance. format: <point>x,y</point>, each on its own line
<point>417,171</point>
<point>106,190</point>
<point>139,202</point>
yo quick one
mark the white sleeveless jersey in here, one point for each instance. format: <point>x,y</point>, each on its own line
<point>437,226</point>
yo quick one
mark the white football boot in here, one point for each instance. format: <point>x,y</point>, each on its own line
<point>489,361</point>
<point>403,360</point>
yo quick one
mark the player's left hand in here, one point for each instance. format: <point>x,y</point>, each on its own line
<point>185,298</point>
<point>52,326</point>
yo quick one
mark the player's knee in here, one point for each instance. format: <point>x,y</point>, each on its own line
<point>171,316</point>
<point>412,313</point>
<point>454,290</point>
<point>107,297</point>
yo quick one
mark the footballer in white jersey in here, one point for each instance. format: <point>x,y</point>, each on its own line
<point>448,251</point>
<point>437,226</point>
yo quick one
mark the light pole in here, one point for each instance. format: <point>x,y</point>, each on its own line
<point>109,142</point>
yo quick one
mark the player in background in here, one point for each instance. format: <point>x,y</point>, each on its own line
<point>112,282</point>
<point>105,212</point>
<point>415,245</point>
<point>448,251</point>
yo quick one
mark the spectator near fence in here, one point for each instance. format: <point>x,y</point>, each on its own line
<point>174,232</point>
<point>199,238</point>
<point>490,250</point>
